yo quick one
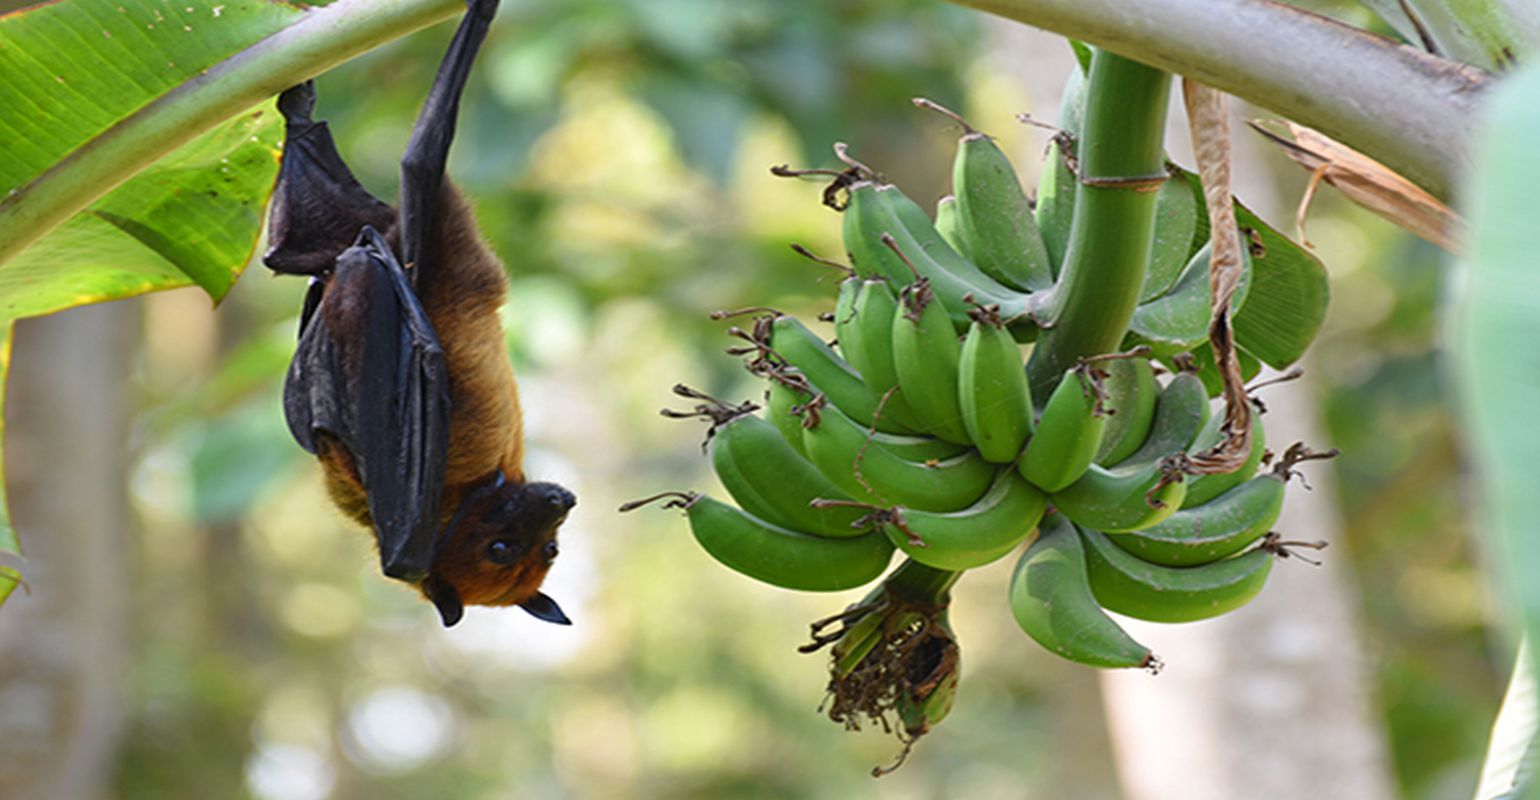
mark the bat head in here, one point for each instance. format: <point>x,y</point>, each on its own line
<point>497,549</point>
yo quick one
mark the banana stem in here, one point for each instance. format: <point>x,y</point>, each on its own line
<point>918,583</point>
<point>1121,168</point>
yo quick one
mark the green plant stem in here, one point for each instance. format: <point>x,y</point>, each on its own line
<point>1414,112</point>
<point>1121,166</point>
<point>918,583</point>
<point>324,38</point>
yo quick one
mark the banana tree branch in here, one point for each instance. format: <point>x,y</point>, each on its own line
<point>324,38</point>
<point>1414,112</point>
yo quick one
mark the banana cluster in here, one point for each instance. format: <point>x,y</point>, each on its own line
<point>916,430</point>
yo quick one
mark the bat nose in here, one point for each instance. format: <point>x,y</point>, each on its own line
<point>559,499</point>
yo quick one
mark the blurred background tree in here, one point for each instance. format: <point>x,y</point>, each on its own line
<point>618,155</point>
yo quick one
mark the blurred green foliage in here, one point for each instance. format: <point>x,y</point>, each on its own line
<point>618,155</point>
<point>1428,614</point>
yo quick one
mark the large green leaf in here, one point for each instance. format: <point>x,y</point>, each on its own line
<point>74,69</point>
<point>1509,766</point>
<point>1495,326</point>
<point>193,217</point>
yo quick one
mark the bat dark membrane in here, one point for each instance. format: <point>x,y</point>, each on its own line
<point>401,384</point>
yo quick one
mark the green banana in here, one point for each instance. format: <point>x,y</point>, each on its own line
<point>955,278</point>
<point>996,407</point>
<point>1127,584</point>
<point>776,555</point>
<point>1210,532</point>
<point>946,225</point>
<point>926,356</point>
<point>994,216</point>
<point>1176,222</point>
<point>1202,489</point>
<point>845,334</point>
<point>916,448</point>
<point>871,327</point>
<point>1131,393</point>
<point>1056,186</point>
<point>787,337</point>
<point>1051,599</point>
<point>1124,498</point>
<point>1180,413</point>
<point>1179,319</point>
<point>787,392</point>
<point>973,536</point>
<point>1068,434</point>
<point>774,482</point>
<point>841,450</point>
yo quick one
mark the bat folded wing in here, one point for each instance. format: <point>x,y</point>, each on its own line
<point>370,373</point>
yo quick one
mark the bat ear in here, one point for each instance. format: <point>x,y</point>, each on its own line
<point>445,599</point>
<point>543,607</point>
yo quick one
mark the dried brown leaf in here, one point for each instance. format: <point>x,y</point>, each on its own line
<point>1368,183</point>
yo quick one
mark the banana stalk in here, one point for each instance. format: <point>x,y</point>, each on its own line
<point>1121,167</point>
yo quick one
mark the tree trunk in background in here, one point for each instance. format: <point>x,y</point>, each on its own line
<point>1272,700</point>
<point>63,649</point>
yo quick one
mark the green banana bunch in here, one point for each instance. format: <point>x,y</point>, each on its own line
<point>1050,596</point>
<point>782,340</point>
<point>1069,433</point>
<point>876,475</point>
<point>1131,392</point>
<point>927,357</point>
<point>994,216</point>
<point>775,555</point>
<point>993,398</point>
<point>1127,584</point>
<point>971,537</point>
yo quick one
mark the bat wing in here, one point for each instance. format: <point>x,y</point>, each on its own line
<point>318,206</point>
<point>369,373</point>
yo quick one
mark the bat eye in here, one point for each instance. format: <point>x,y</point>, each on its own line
<point>503,551</point>
<point>550,549</point>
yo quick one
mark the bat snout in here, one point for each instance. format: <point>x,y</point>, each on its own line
<point>556,498</point>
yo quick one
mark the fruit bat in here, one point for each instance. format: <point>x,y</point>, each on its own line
<point>401,384</point>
